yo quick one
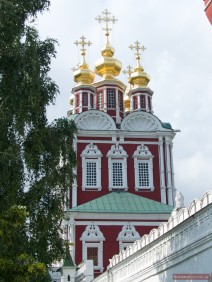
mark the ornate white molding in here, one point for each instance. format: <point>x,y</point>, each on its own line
<point>95,120</point>
<point>92,233</point>
<point>91,155</point>
<point>127,235</point>
<point>117,151</point>
<point>92,237</point>
<point>142,152</point>
<point>91,151</point>
<point>143,156</point>
<point>117,155</point>
<point>141,121</point>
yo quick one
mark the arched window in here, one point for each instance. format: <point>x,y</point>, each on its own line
<point>92,245</point>
<point>117,166</point>
<point>91,168</point>
<point>68,278</point>
<point>143,165</point>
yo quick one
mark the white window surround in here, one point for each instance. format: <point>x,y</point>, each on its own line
<point>127,236</point>
<point>119,156</point>
<point>91,174</point>
<point>92,237</point>
<point>143,156</point>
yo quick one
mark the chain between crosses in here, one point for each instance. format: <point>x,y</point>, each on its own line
<point>137,47</point>
<point>105,18</point>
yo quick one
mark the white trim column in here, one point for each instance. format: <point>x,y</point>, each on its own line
<point>89,100</point>
<point>105,99</point>
<point>72,238</point>
<point>118,118</point>
<point>139,102</point>
<point>173,180</point>
<point>80,101</point>
<point>168,170</point>
<point>147,103</point>
<point>162,172</point>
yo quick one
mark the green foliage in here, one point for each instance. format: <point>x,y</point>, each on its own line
<point>36,158</point>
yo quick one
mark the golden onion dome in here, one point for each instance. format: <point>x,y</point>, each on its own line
<point>127,101</point>
<point>138,77</point>
<point>83,75</point>
<point>107,66</point>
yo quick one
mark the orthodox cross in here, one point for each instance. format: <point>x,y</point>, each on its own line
<point>82,43</point>
<point>106,18</point>
<point>137,47</point>
<point>129,71</point>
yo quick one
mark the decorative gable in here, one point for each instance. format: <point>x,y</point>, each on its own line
<point>91,151</point>
<point>92,233</point>
<point>128,233</point>
<point>95,120</point>
<point>142,152</point>
<point>140,121</point>
<point>117,151</point>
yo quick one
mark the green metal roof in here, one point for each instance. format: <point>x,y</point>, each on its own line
<point>166,125</point>
<point>123,202</point>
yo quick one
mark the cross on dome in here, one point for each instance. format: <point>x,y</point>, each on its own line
<point>83,50</point>
<point>106,18</point>
<point>137,47</point>
<point>129,71</point>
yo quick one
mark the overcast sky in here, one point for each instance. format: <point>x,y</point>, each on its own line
<point>178,38</point>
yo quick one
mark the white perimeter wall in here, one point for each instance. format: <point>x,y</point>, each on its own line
<point>183,245</point>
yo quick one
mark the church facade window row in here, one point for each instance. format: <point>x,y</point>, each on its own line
<point>117,168</point>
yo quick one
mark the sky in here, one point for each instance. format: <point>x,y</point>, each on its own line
<point>178,57</point>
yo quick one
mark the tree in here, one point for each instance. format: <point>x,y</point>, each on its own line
<point>36,158</point>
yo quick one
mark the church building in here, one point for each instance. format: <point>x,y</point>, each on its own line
<point>124,184</point>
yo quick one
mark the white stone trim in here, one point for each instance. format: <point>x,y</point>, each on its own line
<point>186,244</point>
<point>127,236</point>
<point>117,154</point>
<point>93,237</point>
<point>141,121</point>
<point>94,120</point>
<point>168,143</point>
<point>119,223</point>
<point>143,155</point>
<point>91,154</point>
<point>162,172</point>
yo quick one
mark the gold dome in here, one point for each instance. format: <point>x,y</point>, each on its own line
<point>108,67</point>
<point>138,77</point>
<point>127,101</point>
<point>83,75</point>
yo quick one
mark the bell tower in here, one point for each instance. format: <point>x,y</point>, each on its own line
<point>124,176</point>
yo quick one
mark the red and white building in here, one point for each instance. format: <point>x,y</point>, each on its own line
<point>124,184</point>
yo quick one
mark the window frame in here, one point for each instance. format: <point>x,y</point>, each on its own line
<point>91,154</point>
<point>111,99</point>
<point>143,155</point>
<point>92,237</point>
<point>117,155</point>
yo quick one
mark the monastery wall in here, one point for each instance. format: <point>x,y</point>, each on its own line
<point>183,245</point>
